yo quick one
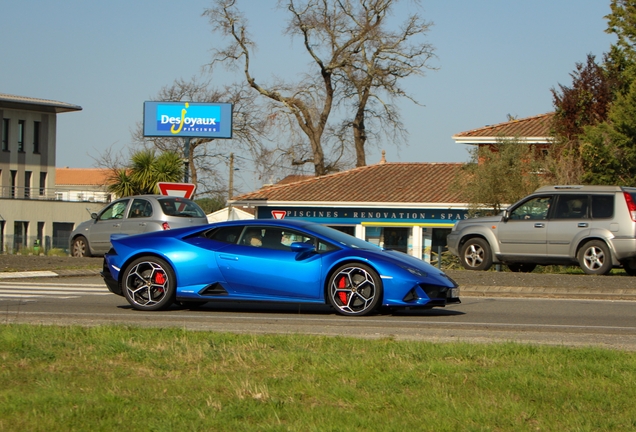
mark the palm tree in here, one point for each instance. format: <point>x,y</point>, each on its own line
<point>145,171</point>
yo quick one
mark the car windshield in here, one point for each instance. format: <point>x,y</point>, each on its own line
<point>180,207</point>
<point>342,238</point>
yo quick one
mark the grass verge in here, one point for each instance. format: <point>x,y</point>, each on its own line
<point>127,378</point>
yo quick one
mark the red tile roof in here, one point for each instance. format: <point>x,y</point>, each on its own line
<point>530,129</point>
<point>383,182</point>
<point>82,176</point>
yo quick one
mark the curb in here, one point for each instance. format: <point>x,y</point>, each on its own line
<point>546,292</point>
<point>47,273</point>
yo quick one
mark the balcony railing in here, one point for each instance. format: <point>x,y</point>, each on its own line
<point>55,194</point>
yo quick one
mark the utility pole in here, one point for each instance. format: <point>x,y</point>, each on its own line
<point>186,161</point>
<point>230,188</point>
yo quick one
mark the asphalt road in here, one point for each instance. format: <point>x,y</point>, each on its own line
<point>571,322</point>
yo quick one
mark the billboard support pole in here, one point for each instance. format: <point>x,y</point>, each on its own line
<point>186,161</point>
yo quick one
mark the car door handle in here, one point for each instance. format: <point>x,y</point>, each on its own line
<point>582,225</point>
<point>539,225</point>
<point>142,223</point>
<point>229,257</point>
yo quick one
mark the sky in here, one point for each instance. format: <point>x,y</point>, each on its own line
<point>493,58</point>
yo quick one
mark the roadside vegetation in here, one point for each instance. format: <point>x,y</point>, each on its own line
<point>127,378</point>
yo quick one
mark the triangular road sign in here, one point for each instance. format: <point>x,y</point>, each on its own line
<point>279,214</point>
<point>185,190</point>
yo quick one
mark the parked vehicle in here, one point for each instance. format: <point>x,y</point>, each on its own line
<point>270,261</point>
<point>592,226</point>
<point>133,215</point>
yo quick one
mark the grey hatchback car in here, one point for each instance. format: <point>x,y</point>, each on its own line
<point>133,215</point>
<point>592,226</point>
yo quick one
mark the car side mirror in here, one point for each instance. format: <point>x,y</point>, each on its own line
<point>300,247</point>
<point>93,215</point>
<point>505,215</point>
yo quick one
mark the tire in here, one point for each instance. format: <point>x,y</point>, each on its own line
<point>79,247</point>
<point>522,267</point>
<point>475,254</point>
<point>149,284</point>
<point>355,290</point>
<point>630,267</point>
<point>594,258</point>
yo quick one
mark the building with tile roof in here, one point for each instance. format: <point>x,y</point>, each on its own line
<point>83,184</point>
<point>529,130</point>
<point>31,209</point>
<point>405,206</point>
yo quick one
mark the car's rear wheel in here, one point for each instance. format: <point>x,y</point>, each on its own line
<point>475,254</point>
<point>355,289</point>
<point>79,248</point>
<point>149,283</point>
<point>594,258</point>
<point>522,267</point>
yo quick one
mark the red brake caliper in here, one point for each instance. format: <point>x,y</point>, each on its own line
<point>160,279</point>
<point>342,284</point>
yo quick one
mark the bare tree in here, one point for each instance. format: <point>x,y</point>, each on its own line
<point>375,66</point>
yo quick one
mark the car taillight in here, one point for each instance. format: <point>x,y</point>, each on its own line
<point>631,206</point>
<point>166,225</point>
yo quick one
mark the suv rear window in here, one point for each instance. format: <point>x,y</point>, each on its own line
<point>603,206</point>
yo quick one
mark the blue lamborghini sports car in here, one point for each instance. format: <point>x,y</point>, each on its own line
<point>270,260</point>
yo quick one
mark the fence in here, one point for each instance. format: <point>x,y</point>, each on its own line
<point>54,194</point>
<point>20,244</point>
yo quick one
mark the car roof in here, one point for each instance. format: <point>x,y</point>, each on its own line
<point>582,188</point>
<point>266,222</point>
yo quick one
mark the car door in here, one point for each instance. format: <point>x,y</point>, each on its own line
<point>524,233</point>
<point>569,221</point>
<point>108,222</point>
<point>271,269</point>
<point>138,217</point>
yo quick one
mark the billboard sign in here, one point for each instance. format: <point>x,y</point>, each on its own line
<point>188,119</point>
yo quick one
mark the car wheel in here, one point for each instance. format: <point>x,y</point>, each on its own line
<point>79,248</point>
<point>476,255</point>
<point>149,283</point>
<point>522,267</point>
<point>355,289</point>
<point>630,267</point>
<point>594,258</point>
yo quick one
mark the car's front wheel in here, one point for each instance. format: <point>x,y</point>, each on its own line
<point>79,248</point>
<point>594,258</point>
<point>355,289</point>
<point>149,283</point>
<point>475,254</point>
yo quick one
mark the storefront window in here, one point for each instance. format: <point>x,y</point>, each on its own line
<point>396,238</point>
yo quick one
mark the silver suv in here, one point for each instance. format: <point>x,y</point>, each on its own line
<point>133,215</point>
<point>594,226</point>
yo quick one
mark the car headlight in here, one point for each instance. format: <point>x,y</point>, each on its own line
<point>414,271</point>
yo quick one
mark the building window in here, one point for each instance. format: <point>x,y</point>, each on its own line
<point>42,183</point>
<point>21,135</point>
<point>14,175</point>
<point>5,134</point>
<point>27,184</point>
<point>36,137</point>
